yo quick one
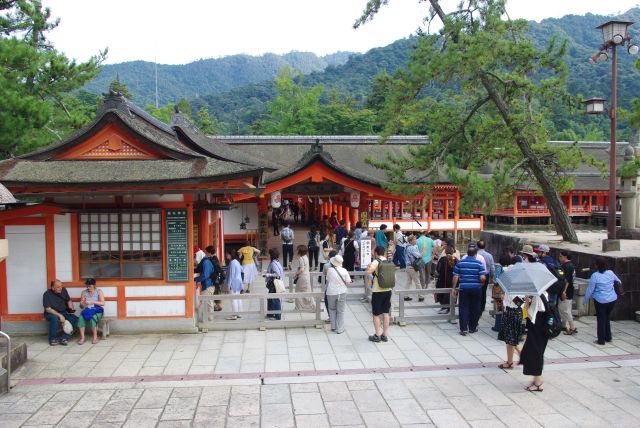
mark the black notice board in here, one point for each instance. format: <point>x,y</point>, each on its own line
<point>177,245</point>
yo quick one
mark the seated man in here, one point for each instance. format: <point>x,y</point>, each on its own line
<point>58,308</point>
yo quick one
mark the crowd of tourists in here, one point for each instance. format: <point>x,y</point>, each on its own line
<point>428,261</point>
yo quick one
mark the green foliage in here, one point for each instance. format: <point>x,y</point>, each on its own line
<point>37,104</point>
<point>165,112</point>
<point>118,86</point>
<point>206,123</point>
<point>630,169</point>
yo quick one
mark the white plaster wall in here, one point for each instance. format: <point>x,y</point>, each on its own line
<point>234,216</point>
<point>146,308</point>
<point>154,290</point>
<point>107,291</point>
<point>62,228</point>
<point>26,269</point>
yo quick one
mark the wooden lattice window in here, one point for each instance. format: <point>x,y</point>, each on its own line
<point>124,245</point>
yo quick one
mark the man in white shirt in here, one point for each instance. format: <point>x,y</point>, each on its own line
<point>399,243</point>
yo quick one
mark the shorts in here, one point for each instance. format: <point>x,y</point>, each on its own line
<point>381,302</point>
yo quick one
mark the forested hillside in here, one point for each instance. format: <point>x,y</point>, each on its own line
<point>206,76</point>
<point>237,97</point>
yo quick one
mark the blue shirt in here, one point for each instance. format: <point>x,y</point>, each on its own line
<point>381,239</point>
<point>425,242</point>
<point>206,274</point>
<point>600,287</point>
<point>489,259</point>
<point>469,270</point>
<point>412,254</point>
<point>234,276</point>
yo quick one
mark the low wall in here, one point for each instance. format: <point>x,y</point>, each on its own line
<point>127,326</point>
<point>626,268</point>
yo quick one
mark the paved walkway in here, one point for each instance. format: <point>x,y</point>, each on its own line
<point>427,375</point>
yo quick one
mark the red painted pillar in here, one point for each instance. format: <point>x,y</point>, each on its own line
<point>355,217</point>
<point>347,217</point>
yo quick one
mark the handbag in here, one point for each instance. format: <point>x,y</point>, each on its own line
<point>278,284</point>
<point>617,286</point>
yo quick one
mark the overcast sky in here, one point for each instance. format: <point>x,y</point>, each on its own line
<point>171,32</point>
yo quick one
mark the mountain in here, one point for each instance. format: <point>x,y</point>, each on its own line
<point>206,76</point>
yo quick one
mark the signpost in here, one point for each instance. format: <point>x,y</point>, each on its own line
<point>365,253</point>
<point>177,245</point>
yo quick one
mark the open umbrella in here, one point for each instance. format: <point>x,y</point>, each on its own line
<point>530,279</point>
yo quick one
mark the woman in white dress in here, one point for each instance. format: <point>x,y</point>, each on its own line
<point>303,280</point>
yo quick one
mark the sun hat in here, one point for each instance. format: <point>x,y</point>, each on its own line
<point>544,248</point>
<point>528,249</point>
<point>336,260</point>
<point>67,327</point>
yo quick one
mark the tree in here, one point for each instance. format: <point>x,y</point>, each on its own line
<point>37,82</point>
<point>493,111</point>
<point>118,86</point>
<point>206,123</point>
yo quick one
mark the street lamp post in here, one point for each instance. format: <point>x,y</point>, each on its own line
<point>614,34</point>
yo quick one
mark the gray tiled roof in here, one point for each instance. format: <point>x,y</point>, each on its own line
<point>15,172</point>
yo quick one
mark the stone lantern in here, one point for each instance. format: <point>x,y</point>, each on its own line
<point>630,200</point>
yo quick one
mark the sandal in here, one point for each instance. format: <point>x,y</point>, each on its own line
<point>94,341</point>
<point>534,388</point>
<point>506,365</point>
<point>81,342</point>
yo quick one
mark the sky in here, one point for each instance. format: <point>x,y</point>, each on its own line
<point>171,32</point>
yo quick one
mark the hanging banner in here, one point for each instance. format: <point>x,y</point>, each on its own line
<point>319,201</point>
<point>276,199</point>
<point>364,218</point>
<point>355,199</point>
<point>365,253</point>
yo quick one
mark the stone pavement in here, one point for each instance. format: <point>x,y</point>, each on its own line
<point>426,375</point>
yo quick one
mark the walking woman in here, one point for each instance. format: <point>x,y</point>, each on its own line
<point>92,304</point>
<point>337,280</point>
<point>234,282</point>
<point>274,271</point>
<point>314,238</point>
<point>303,280</point>
<point>532,355</point>
<point>512,328</point>
<point>601,289</point>
<point>349,251</point>
<point>249,269</point>
<point>444,268</point>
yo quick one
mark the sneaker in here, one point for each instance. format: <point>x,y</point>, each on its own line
<point>408,299</point>
<point>384,338</point>
<point>463,333</point>
<point>442,310</point>
<point>53,342</point>
<point>374,338</point>
<point>421,299</point>
<point>475,330</point>
<point>64,342</point>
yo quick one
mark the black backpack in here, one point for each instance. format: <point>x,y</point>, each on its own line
<point>552,322</point>
<point>312,240</point>
<point>557,287</point>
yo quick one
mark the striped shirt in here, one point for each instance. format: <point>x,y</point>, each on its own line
<point>469,270</point>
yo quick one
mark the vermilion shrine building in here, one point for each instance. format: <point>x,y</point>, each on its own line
<point>126,199</point>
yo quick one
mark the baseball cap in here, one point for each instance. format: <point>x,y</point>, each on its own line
<point>544,248</point>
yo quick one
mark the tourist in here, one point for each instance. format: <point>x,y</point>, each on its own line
<point>532,354</point>
<point>512,326</point>
<point>274,271</point>
<point>349,251</point>
<point>341,233</point>
<point>545,258</point>
<point>381,237</point>
<point>333,221</point>
<point>275,221</point>
<point>468,275</point>
<point>287,236</point>
<point>303,280</point>
<point>491,269</point>
<point>313,247</point>
<point>323,251</point>
<point>325,270</point>
<point>303,215</point>
<point>444,268</point>
<point>357,232</point>
<point>509,257</point>
<point>565,305</point>
<point>529,255</point>
<point>425,245</point>
<point>205,272</point>
<point>247,255</point>
<point>58,308</point>
<point>198,255</point>
<point>601,289</point>
<point>234,282</point>
<point>324,226</point>
<point>380,298</point>
<point>92,305</point>
<point>437,250</point>
<point>414,263</point>
<point>295,209</point>
<point>399,243</point>
<point>336,293</point>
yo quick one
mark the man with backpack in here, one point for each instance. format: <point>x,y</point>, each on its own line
<point>210,277</point>
<point>558,287</point>
<point>384,279</point>
<point>286,234</point>
<point>566,297</point>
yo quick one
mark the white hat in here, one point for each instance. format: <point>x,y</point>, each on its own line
<point>67,327</point>
<point>336,260</point>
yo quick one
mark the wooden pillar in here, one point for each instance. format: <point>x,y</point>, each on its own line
<point>355,216</point>
<point>340,211</point>
<point>347,217</point>
<point>569,203</point>
<point>430,212</point>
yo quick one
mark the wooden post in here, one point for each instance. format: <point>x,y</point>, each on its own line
<point>346,216</point>
<point>569,203</point>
